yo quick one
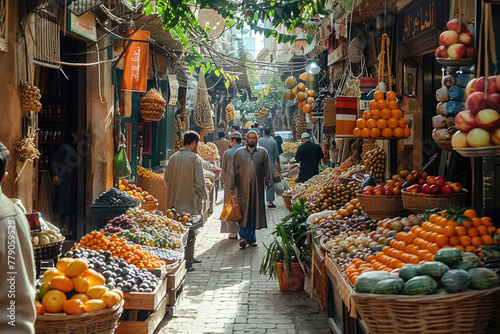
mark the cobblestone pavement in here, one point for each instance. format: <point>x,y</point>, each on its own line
<point>226,293</point>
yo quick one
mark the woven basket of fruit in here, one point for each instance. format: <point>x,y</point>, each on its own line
<point>287,198</point>
<point>444,144</point>
<point>419,202</point>
<point>98,322</point>
<point>380,207</point>
<point>47,251</point>
<point>152,106</point>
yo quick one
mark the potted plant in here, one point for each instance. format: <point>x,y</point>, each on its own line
<point>284,258</point>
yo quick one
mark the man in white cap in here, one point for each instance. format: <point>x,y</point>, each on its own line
<point>308,156</point>
<point>226,165</point>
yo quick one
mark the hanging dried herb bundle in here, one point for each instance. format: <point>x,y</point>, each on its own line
<point>202,114</point>
<point>27,150</point>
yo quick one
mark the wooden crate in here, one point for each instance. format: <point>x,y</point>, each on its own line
<point>132,326</point>
<point>176,297</point>
<point>177,277</point>
<point>146,301</point>
<point>320,278</point>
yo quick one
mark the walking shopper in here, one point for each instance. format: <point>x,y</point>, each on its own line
<point>222,144</point>
<point>184,177</point>
<point>17,304</point>
<point>226,165</point>
<point>248,179</point>
<point>308,155</point>
<point>274,159</point>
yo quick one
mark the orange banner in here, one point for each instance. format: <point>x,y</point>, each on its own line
<point>135,68</point>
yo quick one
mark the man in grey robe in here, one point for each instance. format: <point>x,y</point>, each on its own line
<point>248,179</point>
<point>274,159</point>
<point>184,178</point>
<point>226,165</point>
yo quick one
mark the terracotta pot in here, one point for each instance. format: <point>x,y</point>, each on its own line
<point>298,277</point>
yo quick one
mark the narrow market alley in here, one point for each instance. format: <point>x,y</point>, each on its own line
<point>226,294</point>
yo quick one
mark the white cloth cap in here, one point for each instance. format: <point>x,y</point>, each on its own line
<point>305,135</point>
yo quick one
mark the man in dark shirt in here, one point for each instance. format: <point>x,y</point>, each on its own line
<point>308,155</point>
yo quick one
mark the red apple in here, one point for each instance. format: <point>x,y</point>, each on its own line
<point>442,52</point>
<point>498,82</point>
<point>448,38</point>
<point>476,101</point>
<point>492,85</point>
<point>440,181</point>
<point>452,24</point>
<point>465,121</point>
<point>456,51</point>
<point>470,52</point>
<point>488,119</point>
<point>495,137</point>
<point>435,189</point>
<point>459,140</point>
<point>457,187</point>
<point>463,28</point>
<point>430,179</point>
<point>466,38</point>
<point>447,189</point>
<point>493,101</point>
<point>388,192</point>
<point>415,189</point>
<point>478,138</point>
<point>479,86</point>
<point>426,188</point>
<point>470,87</point>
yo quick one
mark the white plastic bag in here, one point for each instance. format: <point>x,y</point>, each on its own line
<point>278,188</point>
<point>285,185</point>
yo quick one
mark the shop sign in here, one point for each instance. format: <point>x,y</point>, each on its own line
<point>174,88</point>
<point>421,16</point>
<point>83,25</point>
<point>34,222</point>
<point>135,66</point>
<point>191,94</point>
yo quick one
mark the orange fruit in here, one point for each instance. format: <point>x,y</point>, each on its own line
<point>391,95</point>
<point>97,291</point>
<point>375,133</point>
<point>429,257</point>
<point>470,249</point>
<point>492,229</point>
<point>483,230</point>
<point>357,132</point>
<point>472,232</point>
<point>365,133</point>
<point>378,95</point>
<point>433,248</point>
<point>73,306</point>
<point>433,218</point>
<point>403,123</point>
<point>80,284</point>
<point>476,222</point>
<point>121,187</point>
<point>487,240</point>
<point>467,223</point>
<point>460,230</point>
<point>382,104</point>
<point>462,248</point>
<point>409,237</point>
<point>392,123</point>
<point>398,132</point>
<point>385,113</point>
<point>111,298</point>
<point>61,283</point>
<point>76,268</point>
<point>441,240</point>
<point>397,113</point>
<point>53,301</point>
<point>407,132</point>
<point>301,104</point>
<point>373,104</point>
<point>63,263</point>
<point>361,123</point>
<point>83,297</point>
<point>476,241</point>
<point>465,240</point>
<point>449,231</point>
<point>470,213</point>
<point>455,240</point>
<point>94,305</point>
<point>371,123</point>
<point>376,114</point>
<point>367,114</point>
<point>94,277</point>
<point>486,221</point>
<point>387,133</point>
<point>392,105</point>
<point>432,237</point>
<point>40,309</point>
<point>381,123</point>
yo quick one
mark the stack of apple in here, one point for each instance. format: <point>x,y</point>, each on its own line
<point>456,42</point>
<point>73,288</point>
<point>435,185</point>
<point>390,189</point>
<point>479,124</point>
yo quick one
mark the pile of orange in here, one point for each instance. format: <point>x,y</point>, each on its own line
<point>118,247</point>
<point>383,120</point>
<point>422,242</point>
<point>136,192</point>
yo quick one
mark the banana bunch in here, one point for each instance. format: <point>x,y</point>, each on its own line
<point>374,161</point>
<point>229,112</point>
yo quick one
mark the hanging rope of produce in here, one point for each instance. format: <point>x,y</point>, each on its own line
<point>202,115</point>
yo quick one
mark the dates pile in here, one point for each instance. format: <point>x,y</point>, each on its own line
<point>334,197</point>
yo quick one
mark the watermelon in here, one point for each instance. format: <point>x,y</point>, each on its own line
<point>409,271</point>
<point>449,256</point>
<point>434,269</point>
<point>455,280</point>
<point>389,286</point>
<point>482,278</point>
<point>420,285</point>
<point>367,280</point>
<point>442,291</point>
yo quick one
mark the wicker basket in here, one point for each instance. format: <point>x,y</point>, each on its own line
<point>444,144</point>
<point>99,322</point>
<point>380,207</point>
<point>467,312</point>
<point>288,201</point>
<point>47,251</point>
<point>152,106</point>
<point>418,203</point>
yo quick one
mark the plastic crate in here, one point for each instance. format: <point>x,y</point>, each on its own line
<point>101,215</point>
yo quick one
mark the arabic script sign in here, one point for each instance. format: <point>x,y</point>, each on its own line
<point>135,67</point>
<point>421,16</point>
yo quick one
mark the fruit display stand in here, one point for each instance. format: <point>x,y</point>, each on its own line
<point>419,202</point>
<point>157,188</point>
<point>318,277</point>
<point>46,252</point>
<point>175,286</point>
<point>101,215</point>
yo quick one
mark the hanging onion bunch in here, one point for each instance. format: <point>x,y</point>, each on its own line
<point>202,115</point>
<point>30,97</point>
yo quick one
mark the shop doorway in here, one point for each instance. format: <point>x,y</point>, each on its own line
<point>62,141</point>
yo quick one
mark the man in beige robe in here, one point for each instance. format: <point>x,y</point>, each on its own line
<point>184,178</point>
